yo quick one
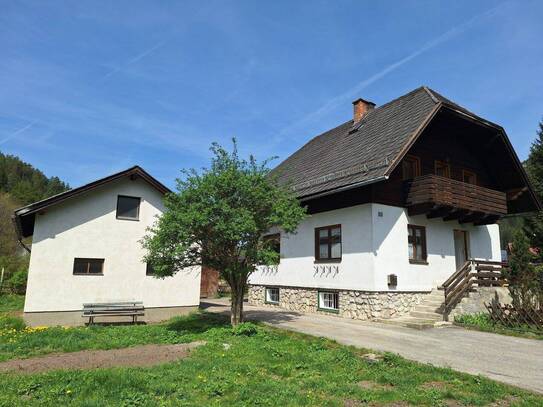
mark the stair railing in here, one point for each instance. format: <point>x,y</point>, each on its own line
<point>473,273</point>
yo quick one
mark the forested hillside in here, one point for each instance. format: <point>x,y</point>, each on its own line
<point>24,183</point>
<point>20,184</point>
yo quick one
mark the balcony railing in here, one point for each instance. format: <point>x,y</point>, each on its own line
<point>444,197</point>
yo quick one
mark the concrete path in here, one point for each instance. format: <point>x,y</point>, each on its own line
<point>508,359</point>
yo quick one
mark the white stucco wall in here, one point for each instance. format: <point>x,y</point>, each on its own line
<point>86,226</point>
<point>373,247</point>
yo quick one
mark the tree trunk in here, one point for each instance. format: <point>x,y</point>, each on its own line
<point>236,307</point>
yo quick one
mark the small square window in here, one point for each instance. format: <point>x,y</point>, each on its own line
<point>128,207</point>
<point>272,295</point>
<point>329,301</point>
<point>469,177</point>
<point>443,169</point>
<point>88,266</point>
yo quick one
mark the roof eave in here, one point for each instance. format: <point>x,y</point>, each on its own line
<point>343,188</point>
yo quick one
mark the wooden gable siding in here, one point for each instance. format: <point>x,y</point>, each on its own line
<point>441,142</point>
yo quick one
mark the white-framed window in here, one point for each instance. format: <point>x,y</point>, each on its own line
<point>329,301</point>
<point>272,295</point>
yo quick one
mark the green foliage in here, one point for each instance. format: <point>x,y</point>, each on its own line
<point>483,322</point>
<point>268,368</point>
<point>15,273</point>
<point>25,183</point>
<point>218,218</point>
<point>524,278</point>
<point>11,302</point>
<point>533,226</point>
<point>245,328</point>
<point>9,323</point>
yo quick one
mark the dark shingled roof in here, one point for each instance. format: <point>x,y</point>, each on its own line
<point>363,152</point>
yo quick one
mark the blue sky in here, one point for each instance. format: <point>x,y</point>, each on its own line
<point>89,88</point>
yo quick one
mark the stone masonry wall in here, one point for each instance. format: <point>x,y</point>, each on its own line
<point>474,302</point>
<point>362,305</point>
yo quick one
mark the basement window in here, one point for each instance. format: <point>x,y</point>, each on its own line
<point>328,301</point>
<point>128,207</point>
<point>85,267</point>
<point>272,295</point>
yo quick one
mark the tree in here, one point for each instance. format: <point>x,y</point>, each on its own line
<point>533,224</point>
<point>523,276</point>
<point>218,218</point>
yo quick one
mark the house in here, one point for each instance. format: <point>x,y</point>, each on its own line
<point>86,249</point>
<point>399,198</point>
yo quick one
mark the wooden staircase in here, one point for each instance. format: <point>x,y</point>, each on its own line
<point>437,305</point>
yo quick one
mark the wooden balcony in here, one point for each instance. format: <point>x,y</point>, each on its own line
<point>440,197</point>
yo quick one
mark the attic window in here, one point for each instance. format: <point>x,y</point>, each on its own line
<point>128,207</point>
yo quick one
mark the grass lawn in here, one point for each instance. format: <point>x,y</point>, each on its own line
<point>252,366</point>
<point>482,322</point>
<point>11,302</point>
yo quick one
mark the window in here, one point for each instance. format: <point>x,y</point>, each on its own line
<point>149,270</point>
<point>469,177</point>
<point>272,295</point>
<point>329,301</point>
<point>443,169</point>
<point>274,242</point>
<point>328,243</point>
<point>410,167</point>
<point>417,244</point>
<point>88,266</point>
<point>128,207</point>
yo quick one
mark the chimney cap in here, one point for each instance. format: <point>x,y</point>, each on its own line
<point>355,102</point>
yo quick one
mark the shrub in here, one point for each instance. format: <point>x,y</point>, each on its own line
<point>8,322</point>
<point>245,329</point>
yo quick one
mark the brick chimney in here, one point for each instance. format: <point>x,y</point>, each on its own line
<point>360,108</point>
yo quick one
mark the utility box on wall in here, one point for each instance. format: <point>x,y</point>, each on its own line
<point>392,280</point>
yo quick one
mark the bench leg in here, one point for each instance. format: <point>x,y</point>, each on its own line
<point>134,319</point>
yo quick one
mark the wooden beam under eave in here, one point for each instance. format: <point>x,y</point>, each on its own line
<point>473,217</point>
<point>514,194</point>
<point>488,220</point>
<point>420,209</point>
<point>456,214</point>
<point>439,212</point>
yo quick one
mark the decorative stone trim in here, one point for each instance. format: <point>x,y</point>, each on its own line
<point>364,305</point>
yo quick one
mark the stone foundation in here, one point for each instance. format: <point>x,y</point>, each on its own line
<point>474,302</point>
<point>364,305</point>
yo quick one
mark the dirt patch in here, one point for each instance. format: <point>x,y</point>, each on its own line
<point>506,402</point>
<point>146,355</point>
<point>369,385</point>
<point>434,385</point>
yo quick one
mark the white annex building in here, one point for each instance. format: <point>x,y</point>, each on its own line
<point>86,249</point>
